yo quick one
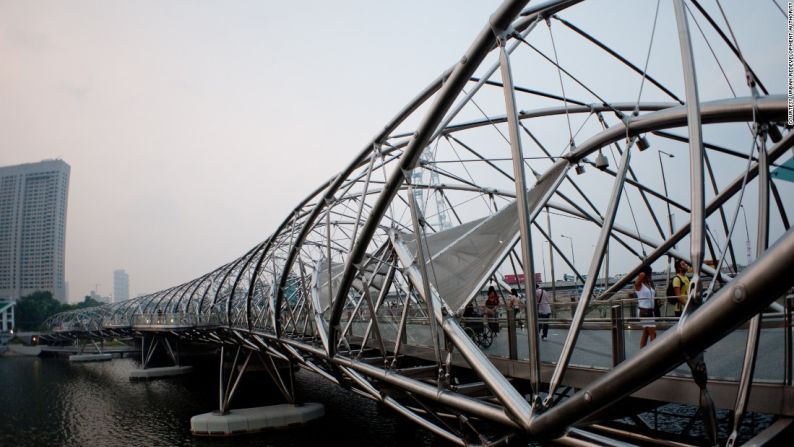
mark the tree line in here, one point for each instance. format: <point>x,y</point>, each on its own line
<point>32,310</point>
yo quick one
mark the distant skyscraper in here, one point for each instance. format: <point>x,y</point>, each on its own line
<point>33,200</point>
<point>121,286</point>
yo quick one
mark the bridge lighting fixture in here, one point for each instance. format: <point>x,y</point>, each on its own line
<point>601,161</point>
<point>774,133</point>
<point>642,143</point>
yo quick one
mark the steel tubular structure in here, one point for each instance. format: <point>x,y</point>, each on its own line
<point>367,280</point>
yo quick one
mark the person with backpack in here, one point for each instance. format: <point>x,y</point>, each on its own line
<point>678,289</point>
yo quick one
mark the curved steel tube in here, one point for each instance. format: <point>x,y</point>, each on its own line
<point>337,290</point>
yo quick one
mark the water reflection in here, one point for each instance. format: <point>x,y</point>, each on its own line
<point>51,402</point>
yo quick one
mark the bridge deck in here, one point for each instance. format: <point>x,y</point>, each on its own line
<point>593,357</point>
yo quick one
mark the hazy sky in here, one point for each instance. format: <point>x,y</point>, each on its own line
<point>194,127</point>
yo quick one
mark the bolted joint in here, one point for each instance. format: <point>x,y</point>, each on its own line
<point>739,294</point>
<point>501,34</point>
<point>749,78</point>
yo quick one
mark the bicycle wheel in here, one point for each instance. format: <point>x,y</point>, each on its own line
<point>470,332</point>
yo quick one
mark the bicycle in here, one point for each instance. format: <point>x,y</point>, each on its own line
<point>482,334</point>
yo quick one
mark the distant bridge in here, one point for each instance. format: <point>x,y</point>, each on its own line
<point>365,282</point>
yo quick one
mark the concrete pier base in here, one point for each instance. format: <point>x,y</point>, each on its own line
<point>78,358</point>
<point>158,373</point>
<point>247,420</point>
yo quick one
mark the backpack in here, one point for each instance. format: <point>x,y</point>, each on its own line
<point>671,296</point>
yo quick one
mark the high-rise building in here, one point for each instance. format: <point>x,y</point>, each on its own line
<point>33,199</point>
<point>121,286</point>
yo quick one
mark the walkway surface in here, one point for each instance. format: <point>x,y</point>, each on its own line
<point>594,349</point>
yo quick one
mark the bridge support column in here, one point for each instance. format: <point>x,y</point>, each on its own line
<point>226,421</point>
<point>83,357</point>
<point>148,351</point>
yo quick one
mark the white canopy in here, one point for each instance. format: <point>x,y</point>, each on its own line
<point>461,259</point>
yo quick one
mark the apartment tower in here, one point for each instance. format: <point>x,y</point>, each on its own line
<point>33,200</point>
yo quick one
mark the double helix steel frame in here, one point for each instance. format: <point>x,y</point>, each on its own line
<point>337,290</point>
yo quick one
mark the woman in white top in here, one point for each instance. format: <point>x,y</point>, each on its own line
<point>646,293</point>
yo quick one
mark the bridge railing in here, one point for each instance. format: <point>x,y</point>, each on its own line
<point>117,322</point>
<point>210,320</point>
<point>66,327</point>
<point>160,320</point>
<point>612,331</point>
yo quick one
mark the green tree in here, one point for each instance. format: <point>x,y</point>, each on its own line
<point>87,302</point>
<point>33,309</point>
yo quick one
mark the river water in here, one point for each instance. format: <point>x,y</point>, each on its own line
<point>50,402</point>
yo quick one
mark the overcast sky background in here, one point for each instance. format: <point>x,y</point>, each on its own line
<point>194,127</point>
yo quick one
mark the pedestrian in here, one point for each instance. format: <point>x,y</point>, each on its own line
<point>646,293</point>
<point>514,303</point>
<point>544,311</point>
<point>491,304</point>
<point>680,285</point>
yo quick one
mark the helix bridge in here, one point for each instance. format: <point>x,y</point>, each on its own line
<point>553,124</point>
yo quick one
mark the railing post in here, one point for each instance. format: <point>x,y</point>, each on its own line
<point>618,336</point>
<point>221,389</point>
<point>511,334</point>
<point>788,305</point>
